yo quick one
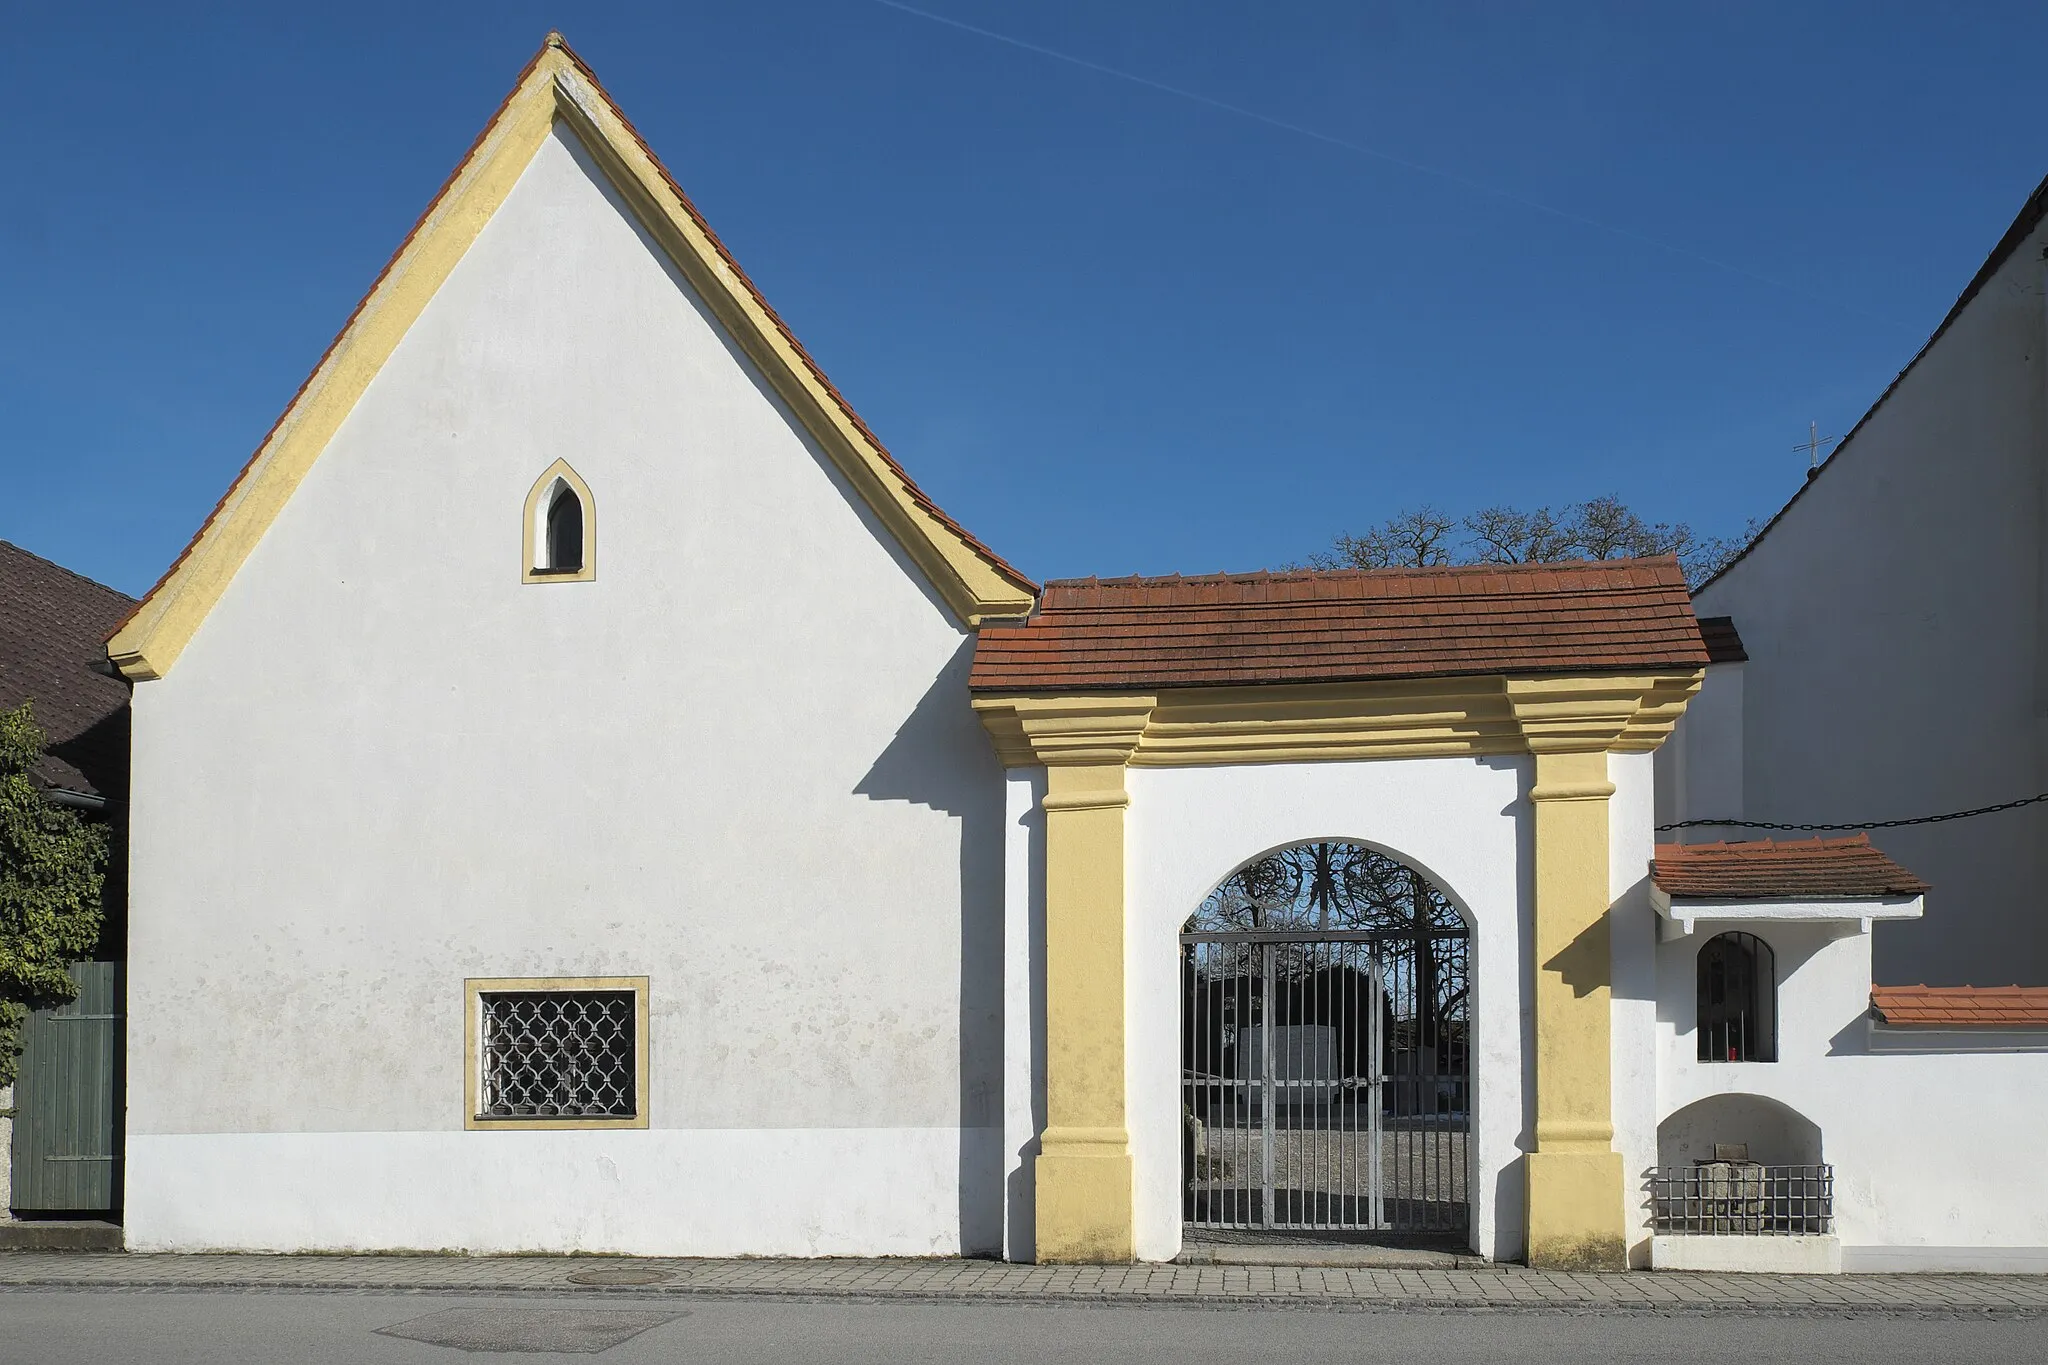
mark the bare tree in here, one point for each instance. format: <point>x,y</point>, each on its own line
<point>1607,528</point>
<point>1508,535</point>
<point>1709,556</point>
<point>1421,539</point>
<point>1599,528</point>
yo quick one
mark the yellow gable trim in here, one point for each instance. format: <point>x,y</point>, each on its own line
<point>554,86</point>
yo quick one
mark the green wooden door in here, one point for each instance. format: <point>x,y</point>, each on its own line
<point>68,1099</point>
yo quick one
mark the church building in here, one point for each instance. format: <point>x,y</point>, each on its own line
<point>586,797</point>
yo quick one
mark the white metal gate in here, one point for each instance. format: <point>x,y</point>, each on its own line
<point>1325,1058</point>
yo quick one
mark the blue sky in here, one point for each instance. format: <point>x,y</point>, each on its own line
<point>1373,255</point>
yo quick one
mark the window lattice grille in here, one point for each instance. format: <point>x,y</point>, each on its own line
<point>558,1054</point>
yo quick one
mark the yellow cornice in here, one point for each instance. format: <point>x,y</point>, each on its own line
<point>554,86</point>
<point>1660,710</point>
<point>1086,730</point>
<point>1433,717</point>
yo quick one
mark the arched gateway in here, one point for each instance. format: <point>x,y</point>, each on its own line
<point>1325,1048</point>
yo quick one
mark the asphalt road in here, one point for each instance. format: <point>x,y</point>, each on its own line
<point>113,1327</point>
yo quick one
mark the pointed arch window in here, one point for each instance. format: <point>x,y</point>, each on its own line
<point>561,529</point>
<point>565,530</point>
<point>1738,1000</point>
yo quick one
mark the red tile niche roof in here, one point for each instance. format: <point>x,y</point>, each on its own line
<point>1346,625</point>
<point>1792,869</point>
<point>1961,1006</point>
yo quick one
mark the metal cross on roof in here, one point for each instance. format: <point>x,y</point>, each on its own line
<point>1814,444</point>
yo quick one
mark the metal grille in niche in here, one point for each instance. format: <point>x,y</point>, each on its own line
<point>1736,1198</point>
<point>558,1054</point>
<point>1325,1048</point>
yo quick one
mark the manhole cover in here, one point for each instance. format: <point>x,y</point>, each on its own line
<point>620,1274</point>
<point>583,1331</point>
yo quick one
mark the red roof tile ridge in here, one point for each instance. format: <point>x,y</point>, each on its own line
<point>1961,1006</point>
<point>1576,567</point>
<point>1923,988</point>
<point>1860,839</point>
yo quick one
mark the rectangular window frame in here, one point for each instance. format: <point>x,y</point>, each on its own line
<point>476,987</point>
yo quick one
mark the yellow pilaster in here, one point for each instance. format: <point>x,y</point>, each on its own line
<point>1576,1185</point>
<point>1575,1175</point>
<point>1083,1172</point>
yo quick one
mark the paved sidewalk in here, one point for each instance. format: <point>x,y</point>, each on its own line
<point>1505,1288</point>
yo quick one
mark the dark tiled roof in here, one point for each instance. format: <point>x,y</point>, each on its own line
<point>1962,1006</point>
<point>1724,646</point>
<point>1792,869</point>
<point>1349,625</point>
<point>52,627</point>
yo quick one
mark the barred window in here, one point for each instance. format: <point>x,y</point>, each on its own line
<point>554,1052</point>
<point>1738,1000</point>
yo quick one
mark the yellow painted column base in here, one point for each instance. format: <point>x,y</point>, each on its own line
<point>1575,1218</point>
<point>1086,1212</point>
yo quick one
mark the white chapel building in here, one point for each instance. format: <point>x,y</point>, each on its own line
<point>586,798</point>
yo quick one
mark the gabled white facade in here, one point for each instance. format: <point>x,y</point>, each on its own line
<point>739,762</point>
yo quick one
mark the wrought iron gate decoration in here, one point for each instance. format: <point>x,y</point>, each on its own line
<point>1325,1048</point>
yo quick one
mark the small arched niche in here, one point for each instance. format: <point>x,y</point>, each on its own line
<point>560,540</point>
<point>1736,1003</point>
<point>1775,1134</point>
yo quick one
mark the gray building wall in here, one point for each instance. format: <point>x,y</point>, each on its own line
<point>1893,619</point>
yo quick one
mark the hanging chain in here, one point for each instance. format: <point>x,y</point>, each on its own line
<point>1867,824</point>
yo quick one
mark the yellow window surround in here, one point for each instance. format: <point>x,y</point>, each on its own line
<point>475,988</point>
<point>531,570</point>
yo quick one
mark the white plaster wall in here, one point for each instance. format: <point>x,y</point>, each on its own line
<point>665,1192</point>
<point>1461,821</point>
<point>1699,768</point>
<point>1897,659</point>
<point>1632,945</point>
<point>741,762</point>
<point>1936,1154</point>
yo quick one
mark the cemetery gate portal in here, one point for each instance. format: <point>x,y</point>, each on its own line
<point>1325,1050</point>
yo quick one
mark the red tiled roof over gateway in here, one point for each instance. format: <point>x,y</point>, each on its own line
<point>1347,625</point>
<point>1794,869</point>
<point>1962,1006</point>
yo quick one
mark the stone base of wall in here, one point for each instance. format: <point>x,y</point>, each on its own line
<point>60,1234</point>
<point>1803,1255</point>
<point>1907,1260</point>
